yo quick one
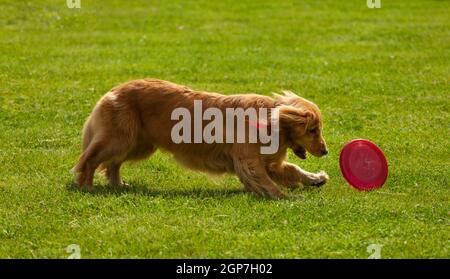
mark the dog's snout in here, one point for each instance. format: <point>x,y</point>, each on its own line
<point>324,152</point>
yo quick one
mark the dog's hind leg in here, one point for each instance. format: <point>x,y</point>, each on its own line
<point>113,174</point>
<point>110,133</point>
<point>109,155</point>
<point>96,153</point>
<point>112,168</point>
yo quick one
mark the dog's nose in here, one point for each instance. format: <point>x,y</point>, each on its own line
<point>324,152</point>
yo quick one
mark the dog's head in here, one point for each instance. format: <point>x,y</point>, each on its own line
<point>301,123</point>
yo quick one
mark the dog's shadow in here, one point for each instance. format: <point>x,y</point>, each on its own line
<point>137,188</point>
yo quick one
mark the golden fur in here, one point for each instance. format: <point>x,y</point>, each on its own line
<point>134,119</point>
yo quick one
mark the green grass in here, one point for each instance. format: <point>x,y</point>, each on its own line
<point>380,74</point>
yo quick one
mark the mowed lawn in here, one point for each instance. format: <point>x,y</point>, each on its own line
<point>379,74</point>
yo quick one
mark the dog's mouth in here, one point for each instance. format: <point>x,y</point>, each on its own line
<point>300,152</point>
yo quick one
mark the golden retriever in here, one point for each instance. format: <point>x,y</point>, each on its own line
<point>133,120</point>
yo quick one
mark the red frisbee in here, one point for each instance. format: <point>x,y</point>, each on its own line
<point>363,165</point>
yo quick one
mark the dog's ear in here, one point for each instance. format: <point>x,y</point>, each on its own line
<point>294,119</point>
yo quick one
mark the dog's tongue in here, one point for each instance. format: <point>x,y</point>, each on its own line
<point>300,152</point>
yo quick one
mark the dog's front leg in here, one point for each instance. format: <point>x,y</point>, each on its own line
<point>252,173</point>
<point>293,176</point>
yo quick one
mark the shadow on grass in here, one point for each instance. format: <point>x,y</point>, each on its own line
<point>135,188</point>
<point>141,189</point>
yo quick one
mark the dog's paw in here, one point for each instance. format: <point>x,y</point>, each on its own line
<point>321,178</point>
<point>318,179</point>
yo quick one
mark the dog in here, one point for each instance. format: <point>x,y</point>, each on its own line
<point>134,119</point>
